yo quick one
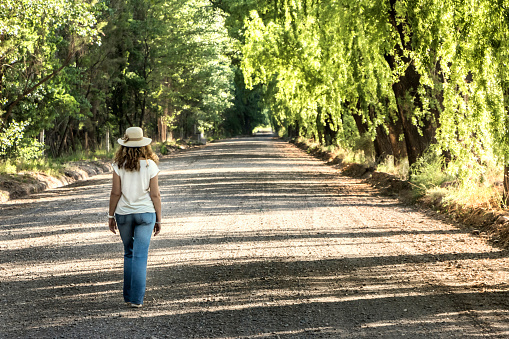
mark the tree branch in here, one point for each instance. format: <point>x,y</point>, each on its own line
<point>10,106</point>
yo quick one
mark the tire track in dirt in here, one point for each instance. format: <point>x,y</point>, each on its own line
<point>259,240</point>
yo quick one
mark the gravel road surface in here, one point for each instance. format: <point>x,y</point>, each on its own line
<point>259,240</point>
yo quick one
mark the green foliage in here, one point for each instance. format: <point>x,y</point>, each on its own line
<point>410,73</point>
<point>309,71</point>
<point>82,70</point>
<point>14,143</point>
<point>193,73</point>
<point>163,149</point>
<point>429,172</point>
<point>37,40</point>
<point>8,167</point>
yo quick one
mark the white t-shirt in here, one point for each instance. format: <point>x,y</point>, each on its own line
<point>135,188</point>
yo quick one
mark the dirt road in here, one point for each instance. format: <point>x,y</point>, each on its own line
<point>259,241</point>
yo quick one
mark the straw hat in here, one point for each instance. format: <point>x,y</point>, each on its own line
<point>134,138</point>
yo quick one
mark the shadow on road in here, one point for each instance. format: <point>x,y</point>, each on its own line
<point>309,274</point>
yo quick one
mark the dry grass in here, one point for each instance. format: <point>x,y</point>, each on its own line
<point>389,166</point>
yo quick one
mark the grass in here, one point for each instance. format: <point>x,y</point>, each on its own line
<point>399,170</point>
<point>477,191</point>
<point>51,166</point>
<point>482,193</point>
<point>479,196</point>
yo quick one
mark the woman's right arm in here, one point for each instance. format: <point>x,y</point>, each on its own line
<point>155,195</point>
<point>116,193</point>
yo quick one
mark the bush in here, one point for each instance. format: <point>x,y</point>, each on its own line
<point>163,149</point>
<point>429,172</point>
<point>7,167</point>
<point>15,145</point>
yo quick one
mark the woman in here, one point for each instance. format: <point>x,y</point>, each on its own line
<point>135,208</point>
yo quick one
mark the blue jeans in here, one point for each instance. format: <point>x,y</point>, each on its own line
<point>135,231</point>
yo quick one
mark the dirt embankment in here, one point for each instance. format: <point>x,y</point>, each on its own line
<point>490,224</point>
<point>14,186</point>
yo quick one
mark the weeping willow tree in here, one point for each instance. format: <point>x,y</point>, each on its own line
<point>415,76</point>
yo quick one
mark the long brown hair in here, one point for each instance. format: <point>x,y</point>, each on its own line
<point>129,157</point>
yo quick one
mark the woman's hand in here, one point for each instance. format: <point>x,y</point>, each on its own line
<point>157,229</point>
<point>113,225</point>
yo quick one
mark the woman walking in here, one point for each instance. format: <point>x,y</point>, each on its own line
<point>135,208</point>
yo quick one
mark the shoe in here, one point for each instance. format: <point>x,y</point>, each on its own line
<point>136,305</point>
<point>128,304</point>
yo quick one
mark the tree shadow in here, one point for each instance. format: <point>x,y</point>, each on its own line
<point>73,289</point>
<point>347,298</point>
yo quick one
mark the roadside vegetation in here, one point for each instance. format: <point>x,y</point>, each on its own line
<point>51,166</point>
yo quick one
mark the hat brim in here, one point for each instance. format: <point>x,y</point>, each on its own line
<point>137,143</point>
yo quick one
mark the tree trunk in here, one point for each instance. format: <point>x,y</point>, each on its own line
<point>407,98</point>
<point>319,125</point>
<point>398,146</point>
<point>63,140</point>
<point>161,126</point>
<point>505,196</point>
<point>92,126</point>
<point>108,140</point>
<point>73,138</point>
<point>293,130</point>
<point>143,104</point>
<point>329,133</point>
<point>384,144</point>
<point>326,135</point>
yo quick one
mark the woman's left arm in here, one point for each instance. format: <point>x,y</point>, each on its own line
<point>155,195</point>
<point>116,193</point>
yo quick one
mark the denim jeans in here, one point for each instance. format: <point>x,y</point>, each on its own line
<point>135,231</point>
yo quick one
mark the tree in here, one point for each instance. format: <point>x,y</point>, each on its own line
<point>406,76</point>
<point>37,41</point>
<point>74,70</point>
